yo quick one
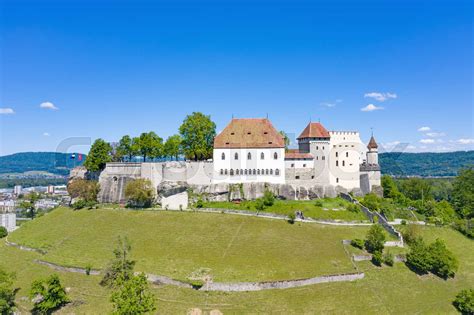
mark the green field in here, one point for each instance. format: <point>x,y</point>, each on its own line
<point>235,248</point>
<point>328,209</point>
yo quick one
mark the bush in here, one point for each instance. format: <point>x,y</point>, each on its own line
<point>358,243</point>
<point>435,258</point>
<point>268,198</point>
<point>259,204</point>
<point>81,203</point>
<point>464,301</point>
<point>371,201</point>
<point>88,270</point>
<point>465,226</point>
<point>377,258</point>
<point>411,233</point>
<point>84,189</point>
<point>140,193</point>
<point>291,218</point>
<point>133,296</point>
<point>353,208</point>
<point>49,295</point>
<point>388,258</point>
<point>375,239</point>
<point>199,203</point>
<point>404,222</point>
<point>318,203</point>
<point>7,293</point>
<point>3,232</point>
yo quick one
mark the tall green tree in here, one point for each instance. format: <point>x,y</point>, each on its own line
<point>126,148</point>
<point>198,132</point>
<point>375,239</point>
<point>99,155</point>
<point>463,193</point>
<point>7,293</point>
<point>285,138</point>
<point>172,148</point>
<point>390,189</point>
<point>121,267</point>
<point>416,189</point>
<point>140,193</point>
<point>149,144</point>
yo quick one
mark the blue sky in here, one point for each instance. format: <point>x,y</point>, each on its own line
<point>109,68</point>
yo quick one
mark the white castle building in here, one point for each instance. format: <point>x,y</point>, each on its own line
<point>252,150</point>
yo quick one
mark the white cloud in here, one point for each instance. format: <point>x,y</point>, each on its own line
<point>411,147</point>
<point>370,108</point>
<point>48,105</point>
<point>331,104</point>
<point>46,134</point>
<point>427,141</point>
<point>6,111</point>
<point>381,97</point>
<point>465,141</point>
<point>423,129</point>
<point>435,134</point>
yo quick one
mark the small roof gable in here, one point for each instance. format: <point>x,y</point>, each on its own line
<point>249,133</point>
<point>372,144</point>
<point>296,155</point>
<point>314,130</point>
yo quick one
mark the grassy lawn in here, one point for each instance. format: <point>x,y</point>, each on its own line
<point>175,244</point>
<point>327,208</point>
<point>235,248</point>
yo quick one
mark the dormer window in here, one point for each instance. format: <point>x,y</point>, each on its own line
<point>249,133</point>
<point>265,133</point>
<point>269,142</point>
<point>232,133</point>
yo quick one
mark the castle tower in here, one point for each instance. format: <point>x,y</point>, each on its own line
<point>373,153</point>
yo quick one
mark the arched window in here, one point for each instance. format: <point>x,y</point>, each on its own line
<point>271,171</point>
<point>236,156</point>
<point>249,156</point>
<point>266,171</point>
<point>225,172</point>
<point>223,156</point>
<point>337,154</point>
<point>347,154</point>
<point>258,172</point>
<point>343,163</point>
<point>262,156</point>
<point>337,163</point>
<point>222,171</point>
<point>275,156</point>
<point>237,172</point>
<point>254,172</point>
<point>231,172</point>
<point>245,172</point>
<point>277,172</point>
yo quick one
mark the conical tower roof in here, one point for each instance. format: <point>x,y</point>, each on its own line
<point>372,144</point>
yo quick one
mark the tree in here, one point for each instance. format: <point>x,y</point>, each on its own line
<point>121,267</point>
<point>149,144</point>
<point>99,155</point>
<point>463,193</point>
<point>371,201</point>
<point>172,147</point>
<point>198,132</point>
<point>84,189</point>
<point>3,232</point>
<point>443,262</point>
<point>132,296</point>
<point>464,301</point>
<point>126,148</point>
<point>390,189</point>
<point>140,192</point>
<point>7,293</point>
<point>268,198</point>
<point>418,256</point>
<point>375,239</point>
<point>416,188</point>
<point>286,139</point>
<point>48,294</point>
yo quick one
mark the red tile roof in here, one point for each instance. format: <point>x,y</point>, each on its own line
<point>314,130</point>
<point>249,133</point>
<point>296,155</point>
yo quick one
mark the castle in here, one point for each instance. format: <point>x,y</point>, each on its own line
<point>251,153</point>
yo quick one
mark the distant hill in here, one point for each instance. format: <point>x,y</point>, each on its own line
<point>50,162</point>
<point>425,164</point>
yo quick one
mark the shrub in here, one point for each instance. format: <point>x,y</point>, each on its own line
<point>418,258</point>
<point>377,258</point>
<point>3,231</point>
<point>318,203</point>
<point>88,269</point>
<point>353,208</point>
<point>199,203</point>
<point>84,189</point>
<point>133,296</point>
<point>464,301</point>
<point>404,222</point>
<point>259,204</point>
<point>411,233</point>
<point>81,203</point>
<point>358,243</point>
<point>465,226</point>
<point>7,293</point>
<point>375,239</point>
<point>371,201</point>
<point>291,218</point>
<point>140,193</point>
<point>388,258</point>
<point>49,295</point>
<point>121,267</point>
<point>268,198</point>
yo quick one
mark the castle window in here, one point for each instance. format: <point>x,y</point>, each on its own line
<point>347,154</point>
<point>337,163</point>
<point>266,171</point>
<point>249,133</point>
<point>316,158</point>
<point>323,158</point>
<point>249,156</point>
<point>337,154</point>
<point>236,156</point>
<point>312,176</point>
<point>277,172</point>
<point>245,171</point>
<point>225,171</point>
<point>275,156</point>
<point>223,156</point>
<point>237,172</point>
<point>317,148</point>
<point>232,133</point>
<point>304,165</point>
<point>231,172</point>
<point>343,163</point>
<point>222,171</point>
<point>271,171</point>
<point>323,147</point>
<point>297,177</point>
<point>337,180</point>
<point>292,164</point>
<point>258,172</point>
<point>262,156</point>
<point>254,172</point>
